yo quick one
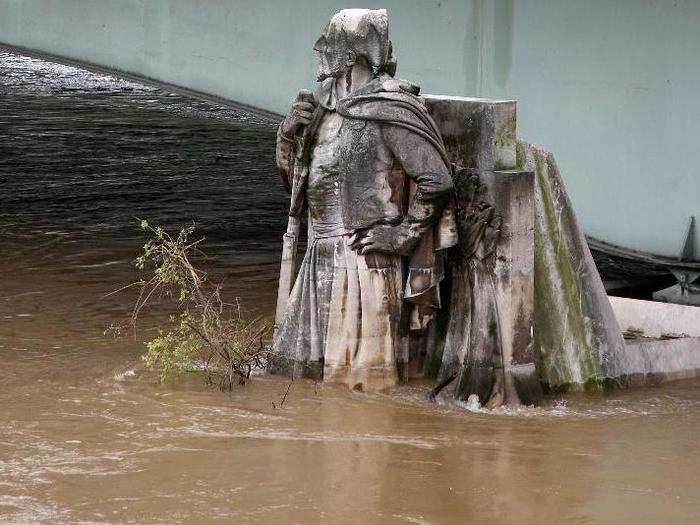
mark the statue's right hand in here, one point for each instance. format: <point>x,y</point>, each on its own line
<point>300,114</point>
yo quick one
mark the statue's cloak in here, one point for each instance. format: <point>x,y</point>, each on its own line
<point>395,102</point>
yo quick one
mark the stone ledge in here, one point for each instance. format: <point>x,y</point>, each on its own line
<point>652,362</point>
<point>478,133</point>
<point>656,319</point>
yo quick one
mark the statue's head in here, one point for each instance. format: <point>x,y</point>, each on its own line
<point>351,35</point>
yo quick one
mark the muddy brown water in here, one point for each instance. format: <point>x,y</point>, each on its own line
<point>87,435</point>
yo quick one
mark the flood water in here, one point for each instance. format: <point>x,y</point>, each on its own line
<point>88,435</point>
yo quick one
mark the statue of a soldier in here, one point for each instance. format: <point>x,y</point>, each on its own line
<point>364,159</point>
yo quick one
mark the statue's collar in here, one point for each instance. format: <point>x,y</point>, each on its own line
<point>327,98</point>
<point>325,94</point>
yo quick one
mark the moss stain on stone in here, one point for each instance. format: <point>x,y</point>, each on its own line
<point>564,353</point>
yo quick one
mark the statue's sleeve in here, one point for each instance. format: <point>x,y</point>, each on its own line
<point>426,167</point>
<point>285,156</point>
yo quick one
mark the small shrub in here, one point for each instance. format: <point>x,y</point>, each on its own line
<point>205,332</point>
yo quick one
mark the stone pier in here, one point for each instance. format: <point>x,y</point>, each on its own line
<point>488,341</point>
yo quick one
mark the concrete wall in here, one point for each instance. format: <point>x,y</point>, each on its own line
<point>608,85</point>
<point>611,88</point>
<point>656,319</point>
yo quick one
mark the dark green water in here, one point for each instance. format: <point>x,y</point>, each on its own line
<point>82,156</point>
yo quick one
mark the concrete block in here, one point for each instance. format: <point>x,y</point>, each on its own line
<point>656,319</point>
<point>478,133</point>
<point>511,193</point>
<point>649,361</point>
<point>491,306</point>
<point>489,336</point>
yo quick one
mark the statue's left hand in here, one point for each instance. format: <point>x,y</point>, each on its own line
<point>395,240</point>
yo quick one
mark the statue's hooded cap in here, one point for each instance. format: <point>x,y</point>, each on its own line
<point>354,33</point>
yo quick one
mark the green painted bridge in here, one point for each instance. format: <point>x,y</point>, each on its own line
<point>610,86</point>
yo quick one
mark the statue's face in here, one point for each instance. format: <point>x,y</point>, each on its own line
<point>332,57</point>
<point>353,33</point>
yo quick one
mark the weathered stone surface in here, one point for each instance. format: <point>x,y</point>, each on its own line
<point>489,332</point>
<point>512,192</point>
<point>488,345</point>
<point>668,347</point>
<point>657,361</point>
<point>512,195</point>
<point>656,319</point>
<point>288,268</point>
<point>478,133</point>
<point>362,156</point>
<point>473,335</point>
<point>577,337</point>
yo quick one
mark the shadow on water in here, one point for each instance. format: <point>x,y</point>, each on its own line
<point>86,434</point>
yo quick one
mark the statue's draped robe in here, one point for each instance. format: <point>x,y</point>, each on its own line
<point>376,158</point>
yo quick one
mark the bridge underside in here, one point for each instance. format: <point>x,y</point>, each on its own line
<point>609,87</point>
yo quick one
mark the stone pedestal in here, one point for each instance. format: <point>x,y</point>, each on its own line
<point>478,133</point>
<point>532,303</point>
<point>511,192</point>
<point>488,342</point>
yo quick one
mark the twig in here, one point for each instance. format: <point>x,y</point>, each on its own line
<point>441,386</point>
<point>284,397</point>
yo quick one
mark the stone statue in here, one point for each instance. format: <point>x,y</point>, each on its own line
<point>363,159</point>
<point>388,181</point>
